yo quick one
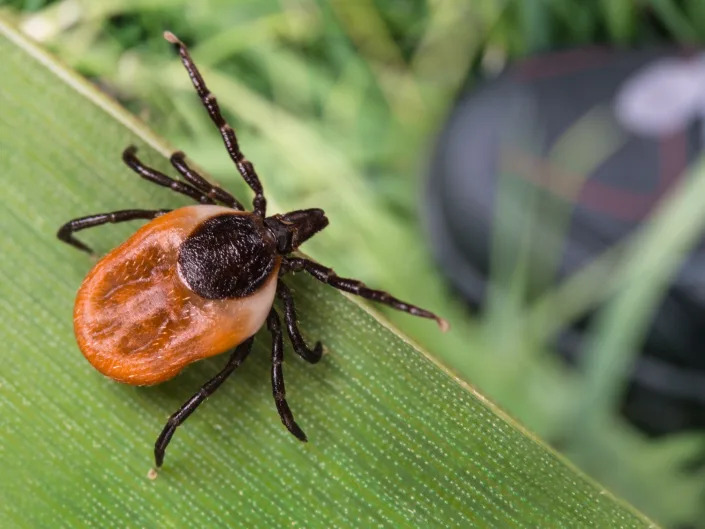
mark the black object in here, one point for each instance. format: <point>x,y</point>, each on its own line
<point>513,124</point>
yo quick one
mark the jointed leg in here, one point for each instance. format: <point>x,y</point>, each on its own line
<point>245,167</point>
<point>310,355</point>
<point>278,389</point>
<point>178,160</point>
<point>66,231</point>
<point>328,276</point>
<point>160,178</point>
<point>236,358</point>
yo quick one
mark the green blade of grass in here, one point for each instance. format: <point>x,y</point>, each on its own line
<point>395,441</point>
<point>654,257</point>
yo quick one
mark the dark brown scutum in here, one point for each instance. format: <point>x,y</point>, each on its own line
<point>227,256</point>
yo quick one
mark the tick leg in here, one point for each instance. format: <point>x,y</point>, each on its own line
<point>278,389</point>
<point>66,231</point>
<point>328,276</point>
<point>236,358</point>
<point>178,160</point>
<point>209,101</point>
<point>310,355</point>
<point>161,179</point>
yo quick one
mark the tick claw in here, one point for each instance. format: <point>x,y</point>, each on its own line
<point>443,324</point>
<point>170,37</point>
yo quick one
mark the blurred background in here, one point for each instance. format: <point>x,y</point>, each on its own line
<point>529,169</point>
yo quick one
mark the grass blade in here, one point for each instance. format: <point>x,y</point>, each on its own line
<point>395,441</point>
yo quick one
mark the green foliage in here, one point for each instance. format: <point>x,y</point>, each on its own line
<point>395,440</point>
<point>335,103</point>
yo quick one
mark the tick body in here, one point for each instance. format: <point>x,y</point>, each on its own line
<point>147,309</point>
<point>200,280</point>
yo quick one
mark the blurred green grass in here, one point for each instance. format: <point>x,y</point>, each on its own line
<point>337,104</point>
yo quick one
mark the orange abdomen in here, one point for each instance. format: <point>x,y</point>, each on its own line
<point>137,321</point>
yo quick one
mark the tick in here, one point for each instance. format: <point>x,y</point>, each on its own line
<point>200,280</point>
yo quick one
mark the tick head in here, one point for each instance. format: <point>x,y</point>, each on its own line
<point>293,228</point>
